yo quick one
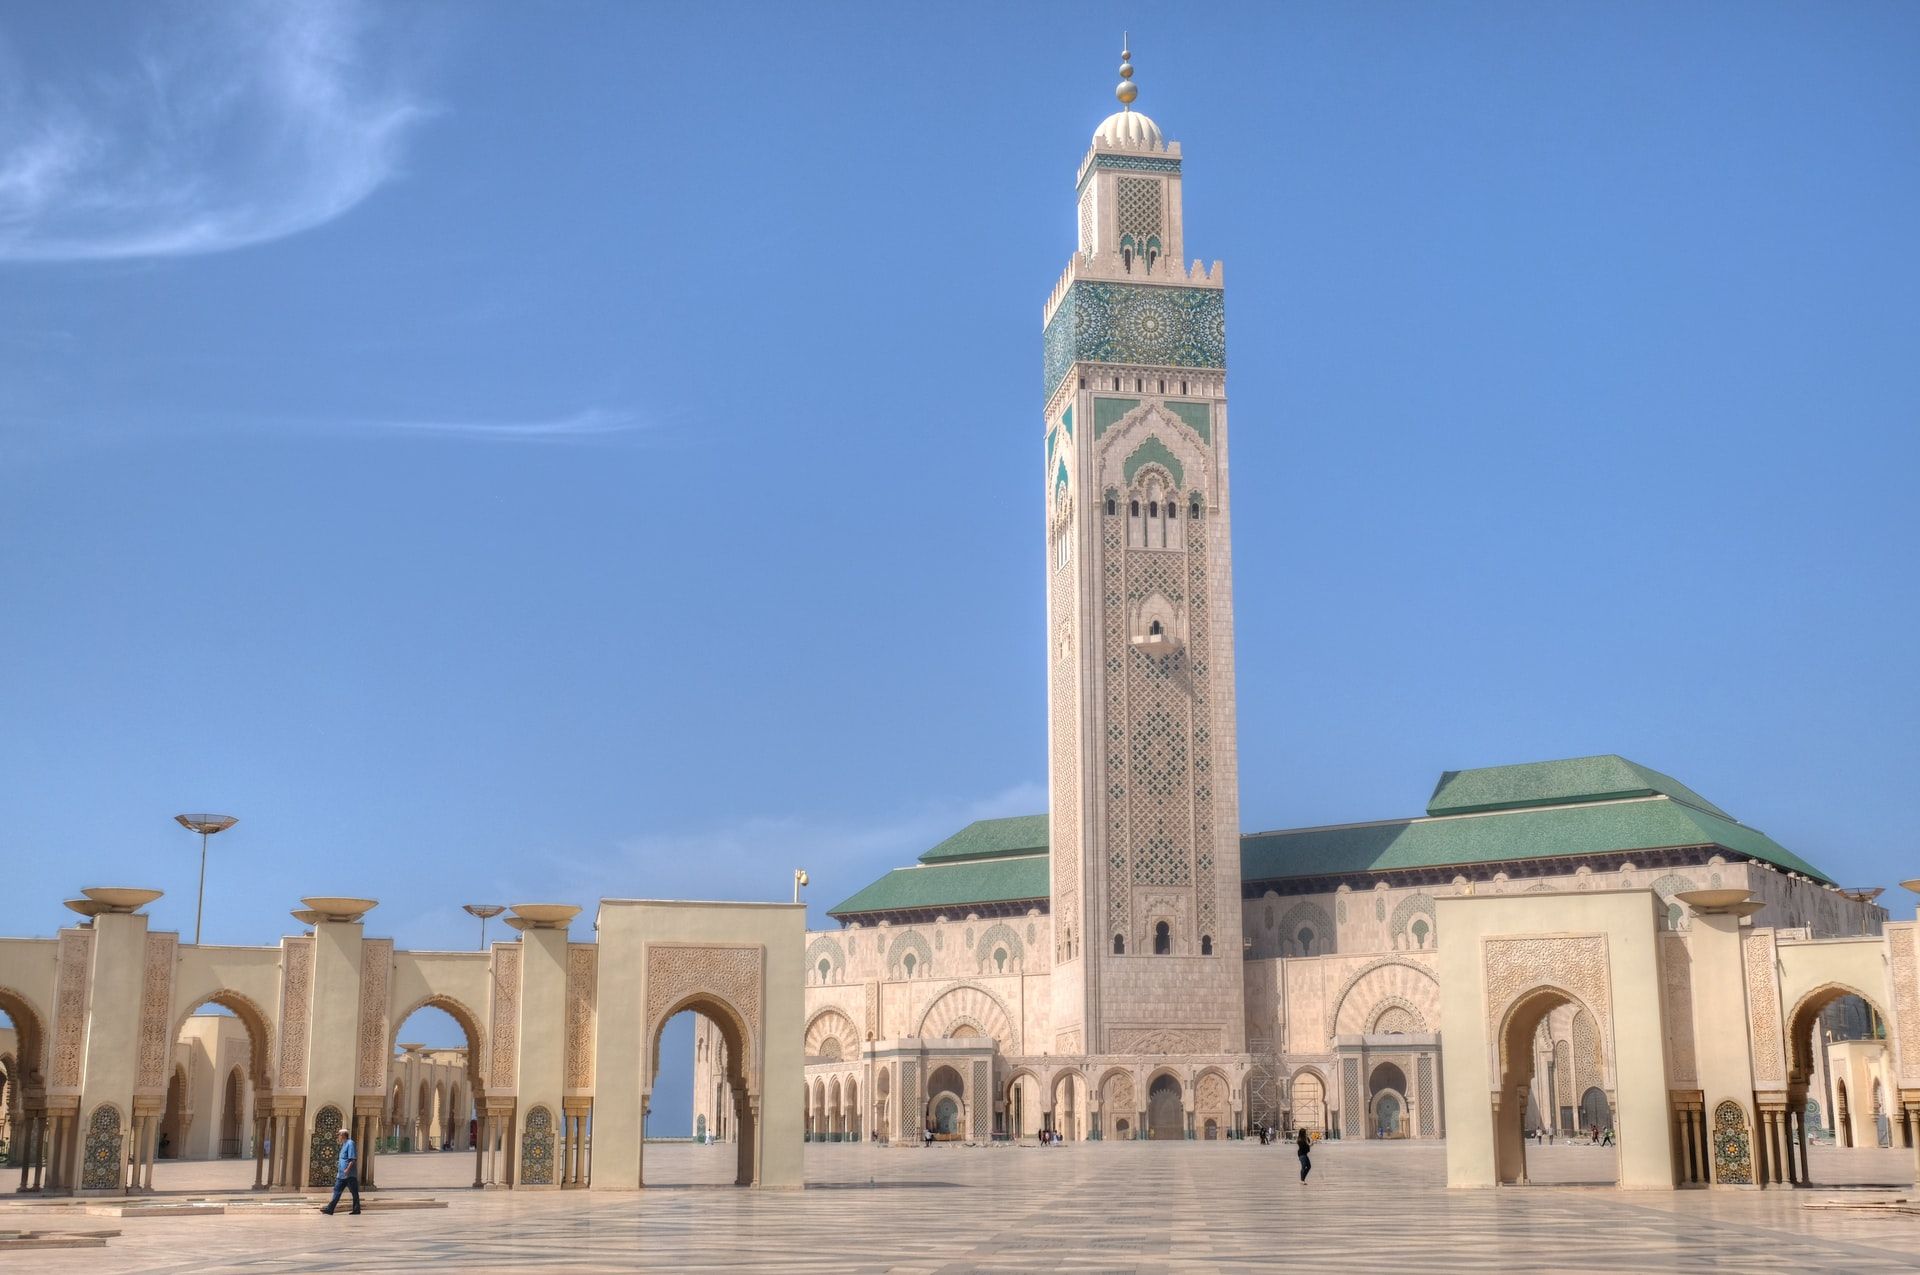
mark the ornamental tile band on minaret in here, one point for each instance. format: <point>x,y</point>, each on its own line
<point>1143,763</point>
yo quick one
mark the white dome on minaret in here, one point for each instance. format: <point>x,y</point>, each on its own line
<point>1126,126</point>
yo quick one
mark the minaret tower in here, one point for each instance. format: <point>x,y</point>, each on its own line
<point>1143,763</point>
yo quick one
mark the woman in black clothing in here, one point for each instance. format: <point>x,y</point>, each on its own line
<point>1304,1148</point>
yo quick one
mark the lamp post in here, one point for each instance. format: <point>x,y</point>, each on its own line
<point>206,826</point>
<point>485,911</point>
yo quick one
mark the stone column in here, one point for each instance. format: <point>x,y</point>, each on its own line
<point>22,1145</point>
<point>1910,1099</point>
<point>541,1071</point>
<point>371,1118</point>
<point>36,1138</point>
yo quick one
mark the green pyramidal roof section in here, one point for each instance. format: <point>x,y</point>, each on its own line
<point>1651,823</point>
<point>1006,879</point>
<point>993,838</point>
<point>1557,783</point>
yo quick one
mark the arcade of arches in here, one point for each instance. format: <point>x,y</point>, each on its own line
<point>113,1059</point>
<point>1562,981</point>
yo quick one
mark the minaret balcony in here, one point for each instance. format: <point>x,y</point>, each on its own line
<point>1156,645</point>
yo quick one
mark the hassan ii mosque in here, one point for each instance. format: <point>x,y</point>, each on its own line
<point>1564,945</point>
<point>1135,966</point>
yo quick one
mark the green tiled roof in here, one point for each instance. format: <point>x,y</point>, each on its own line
<point>1557,783</point>
<point>1554,809</point>
<point>1551,831</point>
<point>952,885</point>
<point>992,838</point>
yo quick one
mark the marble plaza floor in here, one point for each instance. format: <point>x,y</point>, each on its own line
<point>1081,1208</point>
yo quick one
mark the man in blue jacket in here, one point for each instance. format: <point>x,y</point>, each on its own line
<point>348,1178</point>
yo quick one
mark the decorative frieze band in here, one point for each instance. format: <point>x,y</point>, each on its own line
<point>583,965</point>
<point>504,1047</point>
<point>296,1004</point>
<point>376,969</point>
<point>1163,1040</point>
<point>72,991</point>
<point>1763,1009</point>
<point>156,1013</point>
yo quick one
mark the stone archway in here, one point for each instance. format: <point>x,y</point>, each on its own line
<point>1387,1102</point>
<point>947,1100</point>
<point>734,1030</point>
<point>26,1097</point>
<point>1166,1108</point>
<point>233,1101</point>
<point>486,1127</point>
<point>1803,1031</point>
<point>1595,1111</point>
<point>1119,1105</point>
<point>1069,1094</point>
<point>259,1031</point>
<point>1524,1016</point>
<point>1212,1106</point>
<point>1308,1102</point>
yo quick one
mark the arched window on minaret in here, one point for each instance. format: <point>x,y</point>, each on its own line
<point>1119,945</point>
<point>1153,513</point>
<point>1162,939</point>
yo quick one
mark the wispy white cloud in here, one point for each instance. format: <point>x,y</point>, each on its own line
<point>588,423</point>
<point>227,125</point>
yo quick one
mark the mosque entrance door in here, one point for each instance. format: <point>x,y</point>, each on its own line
<point>1386,1116</point>
<point>1165,1117</point>
<point>1594,1112</point>
<point>946,1117</point>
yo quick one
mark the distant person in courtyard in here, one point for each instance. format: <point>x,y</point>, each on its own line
<point>348,1177</point>
<point>1606,1139</point>
<point>1303,1147</point>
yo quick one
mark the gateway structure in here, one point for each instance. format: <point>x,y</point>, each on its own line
<point>563,1043</point>
<point>1132,966</point>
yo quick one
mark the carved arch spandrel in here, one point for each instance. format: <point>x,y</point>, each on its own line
<point>971,1003</point>
<point>832,1024</point>
<point>1517,968</point>
<point>1391,978</point>
<point>728,976</point>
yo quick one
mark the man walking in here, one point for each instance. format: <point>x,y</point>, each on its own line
<point>348,1178</point>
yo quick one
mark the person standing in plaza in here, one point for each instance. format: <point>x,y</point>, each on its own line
<point>1304,1149</point>
<point>348,1178</point>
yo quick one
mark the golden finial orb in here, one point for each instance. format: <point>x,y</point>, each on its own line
<point>1127,90</point>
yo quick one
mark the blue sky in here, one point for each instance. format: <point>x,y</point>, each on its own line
<point>507,453</point>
